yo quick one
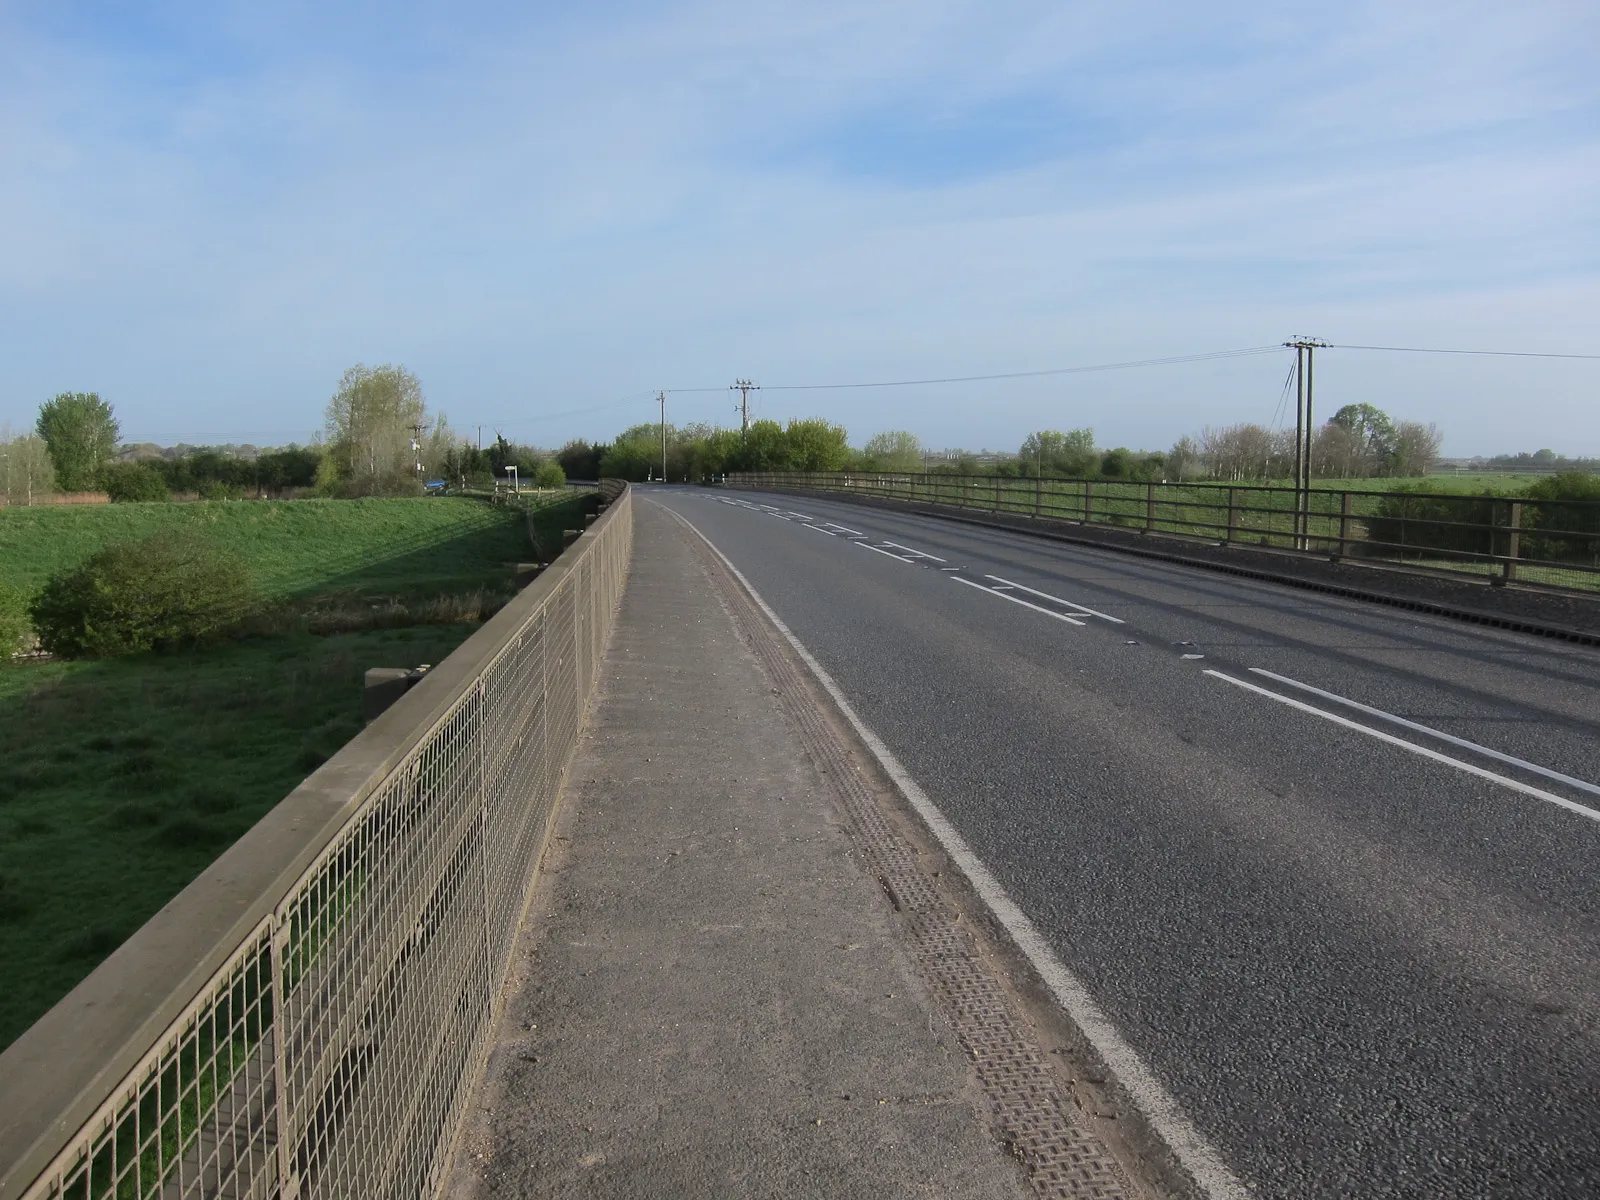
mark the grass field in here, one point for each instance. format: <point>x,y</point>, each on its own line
<point>123,779</point>
<point>293,547</point>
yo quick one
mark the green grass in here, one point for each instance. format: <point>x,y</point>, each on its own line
<point>123,779</point>
<point>293,547</point>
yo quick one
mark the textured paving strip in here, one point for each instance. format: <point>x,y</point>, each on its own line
<point>1034,1115</point>
<point>712,997</point>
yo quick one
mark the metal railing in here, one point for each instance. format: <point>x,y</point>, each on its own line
<point>308,1018</point>
<point>1549,543</point>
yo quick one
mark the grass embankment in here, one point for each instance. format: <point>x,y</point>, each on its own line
<point>122,779</point>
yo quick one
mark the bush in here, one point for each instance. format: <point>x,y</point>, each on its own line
<point>129,483</point>
<point>16,631</point>
<point>1561,510</point>
<point>164,591</point>
<point>1424,523</point>
<point>549,475</point>
<point>216,489</point>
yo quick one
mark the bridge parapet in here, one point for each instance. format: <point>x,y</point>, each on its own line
<point>307,1018</point>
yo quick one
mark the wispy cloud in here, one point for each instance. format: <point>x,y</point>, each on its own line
<point>206,212</point>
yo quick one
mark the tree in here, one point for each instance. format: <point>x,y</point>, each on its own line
<point>580,460</point>
<point>549,475</point>
<point>26,472</point>
<point>815,445</point>
<point>81,432</point>
<point>1183,460</point>
<point>1416,448</point>
<point>1372,429</point>
<point>893,450</point>
<point>1052,452</point>
<point>370,422</point>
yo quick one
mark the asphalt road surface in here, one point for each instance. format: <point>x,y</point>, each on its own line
<point>1332,870</point>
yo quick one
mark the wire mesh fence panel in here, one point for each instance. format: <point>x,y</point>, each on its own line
<point>1533,541</point>
<point>334,1052</point>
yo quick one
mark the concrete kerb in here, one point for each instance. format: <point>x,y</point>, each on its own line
<point>1052,531</point>
<point>58,1074</point>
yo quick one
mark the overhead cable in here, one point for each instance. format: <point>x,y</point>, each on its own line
<point>1116,366</point>
<point>1491,353</point>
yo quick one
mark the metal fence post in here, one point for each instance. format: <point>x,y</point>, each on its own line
<point>1038,495</point>
<point>1513,542</point>
<point>1088,501</point>
<point>1150,508</point>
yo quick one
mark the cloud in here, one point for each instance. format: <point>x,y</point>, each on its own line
<point>208,212</point>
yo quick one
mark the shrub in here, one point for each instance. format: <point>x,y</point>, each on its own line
<point>16,631</point>
<point>549,475</point>
<point>1560,511</point>
<point>1424,523</point>
<point>129,483</point>
<point>216,489</point>
<point>161,592</point>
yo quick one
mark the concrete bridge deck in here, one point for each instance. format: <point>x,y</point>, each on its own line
<point>723,987</point>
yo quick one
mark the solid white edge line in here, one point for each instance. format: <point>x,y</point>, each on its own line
<point>1024,603</point>
<point>1525,789</point>
<point>909,550</point>
<point>1159,1107</point>
<point>1581,784</point>
<point>1083,608</point>
<point>885,553</point>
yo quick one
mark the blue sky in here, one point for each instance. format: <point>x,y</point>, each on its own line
<point>209,210</point>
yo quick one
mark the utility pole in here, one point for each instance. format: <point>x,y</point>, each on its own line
<point>662,397</point>
<point>744,387</point>
<point>416,448</point>
<point>1305,429</point>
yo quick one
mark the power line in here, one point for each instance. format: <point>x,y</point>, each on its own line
<point>1492,353</point>
<point>1117,366</point>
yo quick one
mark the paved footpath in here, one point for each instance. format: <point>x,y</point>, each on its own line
<point>711,997</point>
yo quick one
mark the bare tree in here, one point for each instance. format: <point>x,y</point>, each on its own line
<point>369,424</point>
<point>26,470</point>
<point>1416,448</point>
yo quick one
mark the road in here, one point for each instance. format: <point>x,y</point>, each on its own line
<point>1358,945</point>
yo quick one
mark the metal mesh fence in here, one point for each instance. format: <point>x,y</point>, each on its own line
<point>333,1054</point>
<point>1549,543</point>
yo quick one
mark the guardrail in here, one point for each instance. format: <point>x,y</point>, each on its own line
<point>1545,543</point>
<point>308,1017</point>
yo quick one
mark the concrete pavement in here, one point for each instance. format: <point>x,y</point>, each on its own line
<point>714,995</point>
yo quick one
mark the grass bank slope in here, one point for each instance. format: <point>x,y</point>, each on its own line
<point>400,546</point>
<point>121,780</point>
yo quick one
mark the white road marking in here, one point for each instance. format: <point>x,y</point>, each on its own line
<point>1036,608</point>
<point>1070,604</point>
<point>1581,784</point>
<point>1194,655</point>
<point>1160,1108</point>
<point>949,568</point>
<point>885,553</point>
<point>820,529</point>
<point>792,513</point>
<point>918,553</point>
<point>844,529</point>
<point>1470,769</point>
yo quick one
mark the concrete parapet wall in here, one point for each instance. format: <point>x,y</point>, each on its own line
<point>308,1016</point>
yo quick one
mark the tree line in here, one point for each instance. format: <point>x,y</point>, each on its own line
<point>1359,441</point>
<point>378,439</point>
